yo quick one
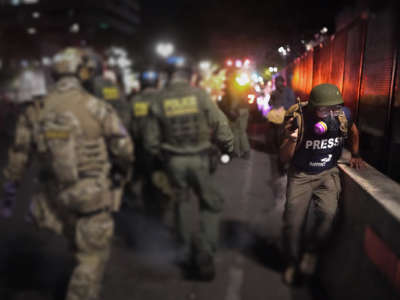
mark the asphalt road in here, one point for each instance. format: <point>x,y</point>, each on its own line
<point>249,264</point>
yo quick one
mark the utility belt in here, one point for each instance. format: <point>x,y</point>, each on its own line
<point>168,153</point>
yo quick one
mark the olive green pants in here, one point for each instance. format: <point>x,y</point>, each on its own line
<point>241,144</point>
<point>324,189</point>
<point>191,172</point>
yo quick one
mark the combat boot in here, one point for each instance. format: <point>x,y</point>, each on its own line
<point>183,257</point>
<point>292,276</point>
<point>308,264</point>
<point>204,266</point>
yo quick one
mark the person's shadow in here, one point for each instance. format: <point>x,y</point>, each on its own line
<point>239,236</point>
<point>28,263</point>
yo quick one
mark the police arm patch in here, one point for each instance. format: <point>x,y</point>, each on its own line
<point>140,109</point>
<point>110,93</point>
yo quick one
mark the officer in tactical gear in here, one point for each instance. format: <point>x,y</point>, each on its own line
<point>156,189</point>
<point>239,112</point>
<point>74,139</point>
<point>104,84</point>
<point>313,141</point>
<point>179,130</point>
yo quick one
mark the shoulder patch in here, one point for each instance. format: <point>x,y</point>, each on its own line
<point>140,109</point>
<point>110,93</point>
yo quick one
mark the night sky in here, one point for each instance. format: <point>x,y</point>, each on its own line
<point>220,28</point>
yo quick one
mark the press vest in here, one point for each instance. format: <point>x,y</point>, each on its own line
<point>318,153</point>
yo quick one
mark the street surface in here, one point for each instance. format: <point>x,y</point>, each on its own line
<point>141,267</point>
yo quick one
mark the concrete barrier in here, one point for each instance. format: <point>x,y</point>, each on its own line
<point>363,260</point>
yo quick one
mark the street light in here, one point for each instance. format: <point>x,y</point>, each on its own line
<point>324,30</point>
<point>31,30</point>
<point>205,65</point>
<point>165,49</point>
<point>74,28</point>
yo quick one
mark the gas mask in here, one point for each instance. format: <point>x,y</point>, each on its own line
<point>329,121</point>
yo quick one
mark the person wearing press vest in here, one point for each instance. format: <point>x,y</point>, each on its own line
<point>314,137</point>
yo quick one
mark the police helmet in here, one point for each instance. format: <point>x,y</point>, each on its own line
<point>149,78</point>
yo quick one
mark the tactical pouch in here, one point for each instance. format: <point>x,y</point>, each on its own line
<point>85,196</point>
<point>59,135</point>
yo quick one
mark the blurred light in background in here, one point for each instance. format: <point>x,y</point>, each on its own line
<point>229,63</point>
<point>74,28</point>
<point>46,61</point>
<point>31,30</point>
<point>205,65</point>
<point>149,75</point>
<point>251,98</point>
<point>243,79</point>
<point>324,30</point>
<point>238,63</point>
<point>30,1</point>
<point>247,63</point>
<point>165,49</point>
<point>273,69</point>
<point>178,61</point>
<point>36,15</point>
<point>284,50</point>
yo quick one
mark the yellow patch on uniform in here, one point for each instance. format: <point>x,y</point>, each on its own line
<point>110,93</point>
<point>182,106</point>
<point>140,109</point>
<point>57,134</point>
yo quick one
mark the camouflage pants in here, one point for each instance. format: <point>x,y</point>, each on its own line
<point>90,238</point>
<point>192,172</point>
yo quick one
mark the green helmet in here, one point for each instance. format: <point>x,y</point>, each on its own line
<point>325,94</point>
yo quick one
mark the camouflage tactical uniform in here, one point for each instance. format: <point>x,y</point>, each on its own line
<point>73,139</point>
<point>180,130</point>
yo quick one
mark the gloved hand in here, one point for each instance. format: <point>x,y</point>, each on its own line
<point>9,199</point>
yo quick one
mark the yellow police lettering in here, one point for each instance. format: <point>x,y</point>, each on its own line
<point>182,106</point>
<point>110,93</point>
<point>141,109</point>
